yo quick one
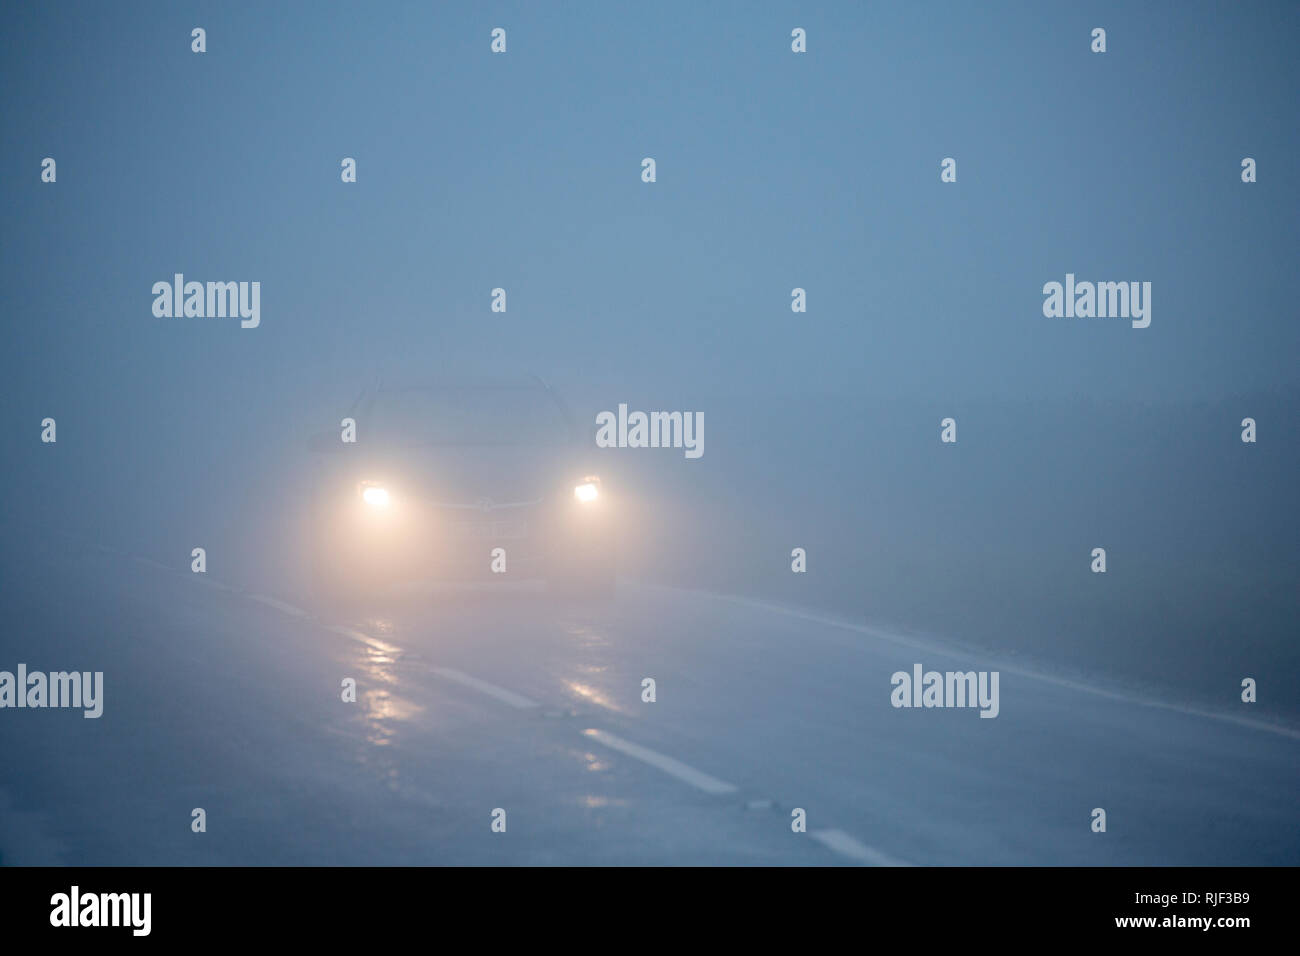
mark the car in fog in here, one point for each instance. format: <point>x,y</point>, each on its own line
<point>464,481</point>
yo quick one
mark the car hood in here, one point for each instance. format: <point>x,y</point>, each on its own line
<point>475,475</point>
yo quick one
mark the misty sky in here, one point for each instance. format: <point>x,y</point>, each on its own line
<point>522,171</point>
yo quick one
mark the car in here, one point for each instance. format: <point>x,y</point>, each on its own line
<point>458,481</point>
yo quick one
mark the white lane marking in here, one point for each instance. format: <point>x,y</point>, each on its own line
<point>211,582</point>
<point>149,561</point>
<point>956,653</point>
<point>348,632</point>
<point>278,604</point>
<point>667,764</point>
<point>836,840</point>
<point>483,687</point>
<point>364,638</point>
<point>845,845</point>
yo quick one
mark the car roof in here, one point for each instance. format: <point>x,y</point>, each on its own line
<point>443,382</point>
<point>467,382</point>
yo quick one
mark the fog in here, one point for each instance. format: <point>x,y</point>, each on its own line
<point>924,299</point>
<point>775,172</point>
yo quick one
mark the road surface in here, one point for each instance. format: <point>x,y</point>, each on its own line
<point>470,701</point>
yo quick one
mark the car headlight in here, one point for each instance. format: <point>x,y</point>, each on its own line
<point>588,490</point>
<point>376,496</point>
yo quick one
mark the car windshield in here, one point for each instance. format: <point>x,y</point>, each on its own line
<point>469,416</point>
